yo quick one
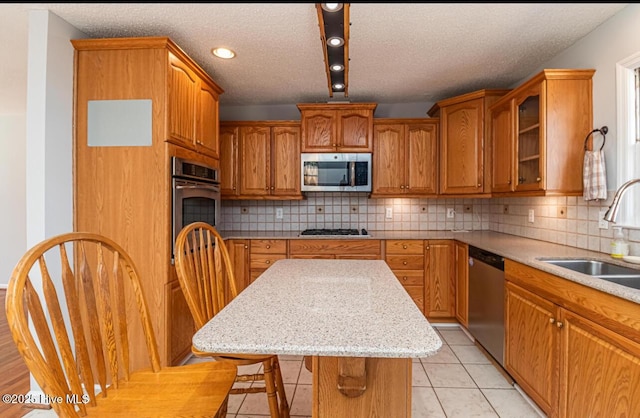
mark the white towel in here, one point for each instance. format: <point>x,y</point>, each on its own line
<point>594,176</point>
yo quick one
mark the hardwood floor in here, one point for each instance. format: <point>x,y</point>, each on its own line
<point>15,375</point>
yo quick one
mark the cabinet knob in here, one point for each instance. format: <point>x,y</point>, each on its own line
<point>268,246</point>
<point>404,262</point>
<point>509,182</point>
<point>404,278</point>
<point>552,320</point>
<point>234,187</point>
<point>404,246</point>
<point>335,145</point>
<point>479,184</point>
<point>246,247</point>
<point>427,247</point>
<point>271,187</point>
<point>559,324</point>
<point>268,261</point>
<point>538,178</point>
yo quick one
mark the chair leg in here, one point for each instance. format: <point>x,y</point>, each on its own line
<point>270,385</point>
<point>284,405</point>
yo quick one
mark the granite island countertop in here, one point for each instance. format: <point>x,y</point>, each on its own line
<point>346,308</point>
<point>523,250</point>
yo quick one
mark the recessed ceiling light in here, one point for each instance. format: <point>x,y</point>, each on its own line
<point>337,67</point>
<point>338,86</point>
<point>331,7</point>
<point>335,41</point>
<point>223,53</point>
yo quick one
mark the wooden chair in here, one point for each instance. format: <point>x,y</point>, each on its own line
<point>81,325</point>
<point>206,277</point>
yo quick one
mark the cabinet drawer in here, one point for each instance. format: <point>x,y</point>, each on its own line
<point>264,261</point>
<point>410,277</point>
<point>330,246</point>
<point>268,246</point>
<point>395,246</point>
<point>405,262</point>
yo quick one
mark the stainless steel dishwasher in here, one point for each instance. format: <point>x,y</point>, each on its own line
<point>486,301</point>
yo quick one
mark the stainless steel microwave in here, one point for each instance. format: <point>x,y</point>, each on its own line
<point>339,172</point>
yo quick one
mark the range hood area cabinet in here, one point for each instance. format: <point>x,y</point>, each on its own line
<point>405,157</point>
<point>260,160</point>
<point>337,127</point>
<point>464,138</point>
<point>538,132</point>
<point>124,191</point>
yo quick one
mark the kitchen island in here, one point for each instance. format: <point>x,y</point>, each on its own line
<point>352,316</point>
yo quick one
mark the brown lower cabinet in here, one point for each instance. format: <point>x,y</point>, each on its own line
<point>440,297</point>
<point>462,282</point>
<point>573,349</point>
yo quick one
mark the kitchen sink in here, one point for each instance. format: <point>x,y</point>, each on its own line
<point>610,272</point>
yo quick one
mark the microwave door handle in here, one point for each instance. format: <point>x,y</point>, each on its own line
<point>352,173</point>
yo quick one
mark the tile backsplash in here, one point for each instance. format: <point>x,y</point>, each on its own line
<point>563,220</point>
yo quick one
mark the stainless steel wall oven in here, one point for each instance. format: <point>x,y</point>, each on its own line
<point>195,195</point>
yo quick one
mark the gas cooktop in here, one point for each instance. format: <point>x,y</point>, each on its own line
<point>336,232</point>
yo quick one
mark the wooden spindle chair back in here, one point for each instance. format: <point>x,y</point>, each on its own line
<point>204,270</point>
<point>93,298</point>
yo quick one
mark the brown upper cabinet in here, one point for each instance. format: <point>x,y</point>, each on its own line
<point>346,127</point>
<point>464,161</point>
<point>405,157</point>
<point>260,160</point>
<point>538,133</point>
<point>193,105</point>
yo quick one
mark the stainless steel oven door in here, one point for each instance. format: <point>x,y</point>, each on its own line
<point>194,201</point>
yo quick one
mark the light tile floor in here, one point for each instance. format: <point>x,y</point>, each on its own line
<point>459,381</point>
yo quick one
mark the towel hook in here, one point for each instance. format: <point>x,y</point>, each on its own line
<point>603,131</point>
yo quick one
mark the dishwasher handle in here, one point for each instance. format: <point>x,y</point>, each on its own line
<point>478,254</point>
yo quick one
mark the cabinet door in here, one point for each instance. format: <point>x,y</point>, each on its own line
<point>285,178</point>
<point>599,372</point>
<point>462,283</point>
<point>255,148</point>
<point>239,254</point>
<point>181,325</point>
<point>182,102</point>
<point>529,139</point>
<point>502,148</point>
<point>319,132</point>
<point>388,159</point>
<point>461,154</point>
<point>229,161</point>
<point>439,280</point>
<point>354,130</point>
<point>207,121</point>
<point>421,158</point>
<point>532,345</point>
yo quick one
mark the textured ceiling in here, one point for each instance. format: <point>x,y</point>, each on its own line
<point>399,52</point>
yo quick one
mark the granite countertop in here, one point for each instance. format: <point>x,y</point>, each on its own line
<point>347,308</point>
<point>523,250</point>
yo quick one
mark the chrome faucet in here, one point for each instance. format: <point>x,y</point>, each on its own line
<point>613,209</point>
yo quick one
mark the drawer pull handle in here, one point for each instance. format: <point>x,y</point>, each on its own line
<point>404,262</point>
<point>246,246</point>
<point>552,321</point>
<point>404,246</point>
<point>559,324</point>
<point>268,261</point>
<point>268,246</point>
<point>404,278</point>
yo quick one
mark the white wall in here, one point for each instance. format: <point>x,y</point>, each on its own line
<point>13,191</point>
<point>49,136</point>
<point>611,42</point>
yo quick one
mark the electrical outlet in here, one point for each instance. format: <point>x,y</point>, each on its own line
<point>279,214</point>
<point>562,212</point>
<point>468,208</point>
<point>451,213</point>
<point>505,209</point>
<point>531,216</point>
<point>602,224</point>
<point>389,213</point>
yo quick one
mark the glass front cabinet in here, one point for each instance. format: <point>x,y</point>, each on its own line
<point>538,132</point>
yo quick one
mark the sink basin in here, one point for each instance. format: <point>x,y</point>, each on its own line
<point>610,272</point>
